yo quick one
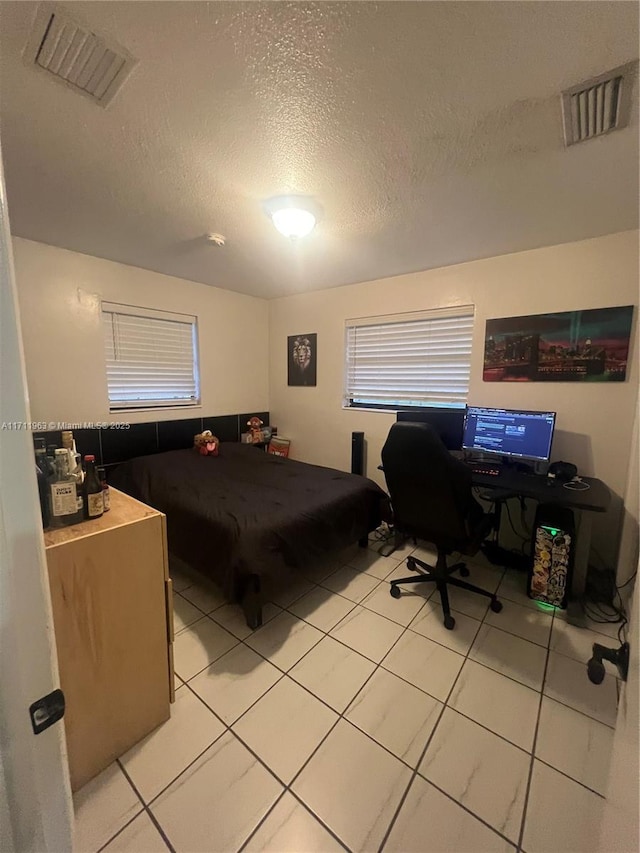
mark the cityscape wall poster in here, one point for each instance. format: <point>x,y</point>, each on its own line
<point>570,346</point>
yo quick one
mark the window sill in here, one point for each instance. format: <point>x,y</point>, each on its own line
<point>188,408</point>
<point>366,409</point>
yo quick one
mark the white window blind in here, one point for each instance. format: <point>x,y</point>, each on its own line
<point>151,358</point>
<point>409,359</point>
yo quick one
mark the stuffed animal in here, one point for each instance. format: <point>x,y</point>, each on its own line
<point>254,425</point>
<point>206,443</point>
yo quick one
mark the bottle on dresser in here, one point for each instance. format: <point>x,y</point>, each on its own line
<point>42,472</point>
<point>106,497</point>
<point>51,459</point>
<point>92,489</point>
<point>63,492</point>
<point>75,464</point>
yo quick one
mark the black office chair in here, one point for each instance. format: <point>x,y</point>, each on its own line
<point>431,499</point>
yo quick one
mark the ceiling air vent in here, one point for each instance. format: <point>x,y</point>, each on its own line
<point>598,106</point>
<point>64,48</point>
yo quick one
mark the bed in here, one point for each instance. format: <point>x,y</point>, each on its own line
<point>245,514</point>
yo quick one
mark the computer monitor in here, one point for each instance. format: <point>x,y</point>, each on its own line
<point>505,432</point>
<point>447,422</point>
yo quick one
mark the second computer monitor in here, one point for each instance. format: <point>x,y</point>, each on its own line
<point>447,422</point>
<point>510,433</point>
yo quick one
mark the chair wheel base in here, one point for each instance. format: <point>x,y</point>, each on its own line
<point>394,592</point>
<point>411,564</point>
<point>496,605</point>
<point>464,572</point>
<point>449,623</point>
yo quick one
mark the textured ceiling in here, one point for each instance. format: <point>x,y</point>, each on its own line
<point>430,133</point>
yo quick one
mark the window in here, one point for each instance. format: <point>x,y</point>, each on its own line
<point>406,360</point>
<point>151,356</point>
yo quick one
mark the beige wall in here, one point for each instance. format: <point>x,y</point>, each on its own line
<point>594,422</point>
<point>60,292</point>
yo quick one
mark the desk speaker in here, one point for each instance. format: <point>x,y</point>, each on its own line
<point>562,471</point>
<point>357,453</point>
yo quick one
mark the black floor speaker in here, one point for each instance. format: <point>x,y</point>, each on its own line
<point>357,453</point>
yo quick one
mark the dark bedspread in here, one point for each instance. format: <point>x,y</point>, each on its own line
<point>249,512</point>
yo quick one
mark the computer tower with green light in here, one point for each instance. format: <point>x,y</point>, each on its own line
<point>552,557</point>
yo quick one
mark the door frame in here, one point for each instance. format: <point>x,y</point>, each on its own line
<point>35,795</point>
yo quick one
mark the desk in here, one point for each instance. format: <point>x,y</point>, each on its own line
<point>594,499</point>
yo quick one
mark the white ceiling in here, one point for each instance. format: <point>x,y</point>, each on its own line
<point>429,132</point>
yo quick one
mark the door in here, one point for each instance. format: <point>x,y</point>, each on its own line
<point>619,832</point>
<point>35,797</point>
<point>621,816</point>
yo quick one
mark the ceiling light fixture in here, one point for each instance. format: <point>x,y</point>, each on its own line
<point>293,216</point>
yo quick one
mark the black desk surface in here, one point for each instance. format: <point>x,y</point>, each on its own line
<point>596,498</point>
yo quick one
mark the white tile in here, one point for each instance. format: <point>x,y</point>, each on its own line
<point>426,552</point>
<point>367,633</point>
<point>290,828</point>
<point>140,836</point>
<point>333,671</point>
<point>366,560</point>
<point>469,603</point>
<point>346,555</point>
<point>180,579</point>
<point>321,608</point>
<point>426,664</point>
<point>318,570</point>
<point>526,622</point>
<point>608,629</point>
<point>513,587</point>
<point>354,786</point>
<point>401,610</point>
<point>429,623</point>
<point>289,588</point>
<point>403,548</point>
<point>486,577</point>
<point>577,643</point>
<point>206,596</point>
<point>574,744</point>
<point>217,803</point>
<point>425,590</point>
<point>480,770</point>
<point>184,613</point>
<point>234,682</point>
<point>561,815</point>
<point>429,821</point>
<point>351,583</point>
<point>232,618</point>
<point>163,754</point>
<point>102,807</point>
<point>284,640</point>
<point>507,708</point>
<point>567,682</point>
<point>463,601</point>
<point>198,646</point>
<point>510,656</point>
<point>285,727</point>
<point>396,714</point>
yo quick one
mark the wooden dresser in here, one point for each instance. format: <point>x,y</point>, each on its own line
<point>113,619</point>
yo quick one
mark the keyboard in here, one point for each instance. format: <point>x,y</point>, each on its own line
<point>487,469</point>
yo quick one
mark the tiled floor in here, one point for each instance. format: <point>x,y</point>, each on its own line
<point>355,721</point>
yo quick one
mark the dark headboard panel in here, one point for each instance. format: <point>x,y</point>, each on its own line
<point>111,446</point>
